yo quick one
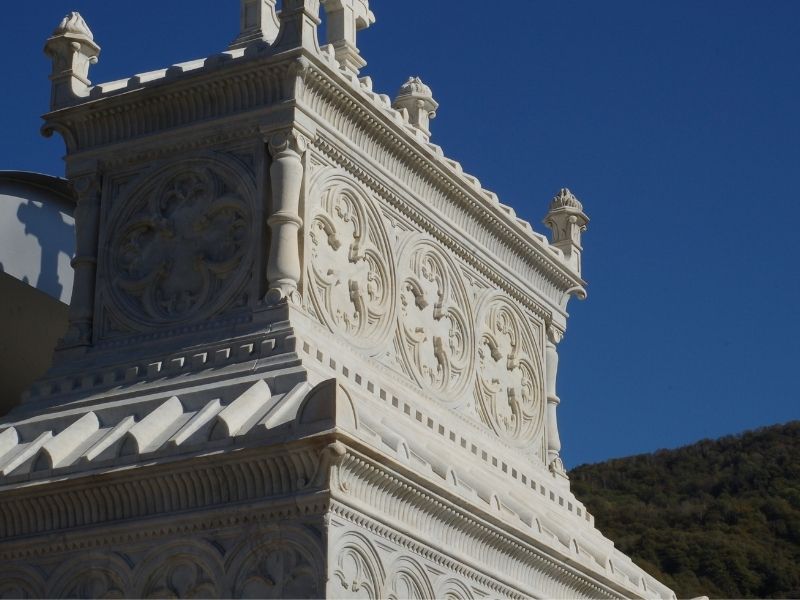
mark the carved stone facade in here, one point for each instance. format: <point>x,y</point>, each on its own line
<point>309,355</point>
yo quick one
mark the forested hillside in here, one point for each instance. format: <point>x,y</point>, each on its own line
<point>719,518</point>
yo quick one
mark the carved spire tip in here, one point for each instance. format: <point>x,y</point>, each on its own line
<point>73,23</point>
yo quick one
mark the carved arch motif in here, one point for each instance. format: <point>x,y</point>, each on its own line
<point>180,242</point>
<point>92,575</point>
<point>19,582</point>
<point>453,589</point>
<point>183,569</point>
<point>436,334</point>
<point>510,383</point>
<point>358,571</point>
<point>407,579</point>
<point>280,562</point>
<point>351,279</point>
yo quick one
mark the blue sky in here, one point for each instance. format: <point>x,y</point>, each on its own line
<point>676,123</point>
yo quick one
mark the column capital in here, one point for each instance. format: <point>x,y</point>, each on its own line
<point>554,334</point>
<point>290,140</point>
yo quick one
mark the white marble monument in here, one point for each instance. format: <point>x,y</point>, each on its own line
<point>308,355</point>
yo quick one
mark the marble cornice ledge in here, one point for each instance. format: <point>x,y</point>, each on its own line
<point>223,86</point>
<point>170,486</point>
<point>396,498</point>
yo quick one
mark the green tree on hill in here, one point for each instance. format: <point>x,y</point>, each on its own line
<point>717,518</point>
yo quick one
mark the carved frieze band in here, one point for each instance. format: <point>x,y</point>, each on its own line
<point>272,561</point>
<point>371,560</point>
<point>401,297</point>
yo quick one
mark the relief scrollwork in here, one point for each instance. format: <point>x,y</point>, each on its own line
<point>453,589</point>
<point>351,269</point>
<point>180,241</point>
<point>436,336</point>
<point>510,387</point>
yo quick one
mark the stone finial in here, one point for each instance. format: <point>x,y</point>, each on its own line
<point>73,50</point>
<point>345,19</point>
<point>567,221</point>
<point>417,99</point>
<point>258,22</point>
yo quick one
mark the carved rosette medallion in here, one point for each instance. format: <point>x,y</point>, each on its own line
<point>510,384</point>
<point>351,276</point>
<point>436,336</point>
<point>181,243</point>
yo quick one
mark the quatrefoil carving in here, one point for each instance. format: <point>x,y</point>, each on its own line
<point>436,335</point>
<point>180,243</point>
<point>351,271</point>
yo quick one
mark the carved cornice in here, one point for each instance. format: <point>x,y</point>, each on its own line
<point>427,174</point>
<point>194,484</point>
<point>192,98</point>
<point>386,502</point>
<point>247,84</point>
<point>199,522</point>
<point>488,269</point>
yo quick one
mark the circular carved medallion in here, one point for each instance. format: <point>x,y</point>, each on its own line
<point>179,243</point>
<point>510,381</point>
<point>436,332</point>
<point>351,269</point>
